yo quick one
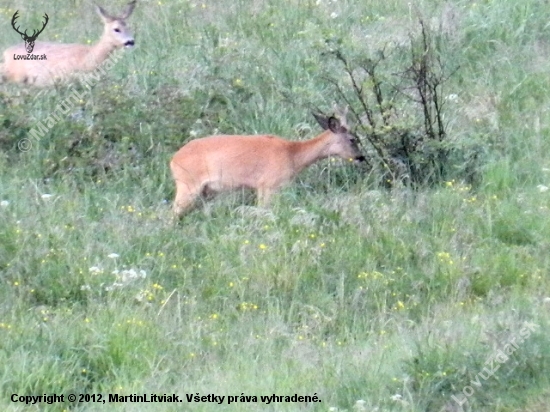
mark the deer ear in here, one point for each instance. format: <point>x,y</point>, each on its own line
<point>334,125</point>
<point>128,10</point>
<point>102,13</point>
<point>322,120</point>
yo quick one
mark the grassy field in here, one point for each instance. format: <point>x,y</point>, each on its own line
<point>368,298</point>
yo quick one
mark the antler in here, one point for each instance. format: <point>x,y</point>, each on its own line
<point>35,35</point>
<point>15,16</point>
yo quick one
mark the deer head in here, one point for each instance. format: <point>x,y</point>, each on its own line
<point>29,40</point>
<point>115,31</point>
<point>343,142</point>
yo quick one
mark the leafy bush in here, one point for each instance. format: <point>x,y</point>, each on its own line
<point>396,98</point>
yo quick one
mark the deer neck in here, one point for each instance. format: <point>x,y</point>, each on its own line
<point>98,53</point>
<point>309,151</point>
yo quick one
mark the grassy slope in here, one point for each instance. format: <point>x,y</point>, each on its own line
<point>394,298</point>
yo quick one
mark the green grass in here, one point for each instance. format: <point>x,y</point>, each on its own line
<point>371,299</point>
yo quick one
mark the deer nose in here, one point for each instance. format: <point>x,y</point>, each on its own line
<point>360,159</point>
<point>129,43</point>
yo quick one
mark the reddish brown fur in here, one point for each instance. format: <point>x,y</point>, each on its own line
<point>63,60</point>
<point>263,163</point>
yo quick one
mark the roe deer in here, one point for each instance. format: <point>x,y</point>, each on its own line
<point>64,60</point>
<point>263,162</point>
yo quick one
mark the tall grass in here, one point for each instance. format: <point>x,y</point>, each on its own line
<point>371,299</point>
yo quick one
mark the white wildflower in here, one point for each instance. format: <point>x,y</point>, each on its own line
<point>126,276</point>
<point>47,196</point>
<point>542,188</point>
<point>113,255</point>
<point>95,270</point>
<point>360,405</point>
<point>398,398</point>
<point>4,203</point>
<point>142,296</point>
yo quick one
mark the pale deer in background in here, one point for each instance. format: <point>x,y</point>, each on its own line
<point>64,60</point>
<point>263,163</point>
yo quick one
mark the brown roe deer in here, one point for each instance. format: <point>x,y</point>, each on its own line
<point>64,60</point>
<point>263,163</point>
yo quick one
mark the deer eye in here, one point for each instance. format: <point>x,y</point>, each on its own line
<point>117,30</point>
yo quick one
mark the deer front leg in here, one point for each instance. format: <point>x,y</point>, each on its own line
<point>264,195</point>
<point>185,199</point>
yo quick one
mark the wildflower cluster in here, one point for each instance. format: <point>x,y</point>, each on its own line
<point>376,281</point>
<point>368,278</point>
<point>123,277</point>
<point>247,306</point>
<point>153,293</point>
<point>445,258</point>
<point>7,11</point>
<point>459,187</point>
<point>126,276</point>
<point>44,314</point>
<point>5,325</point>
<point>131,210</point>
<point>132,322</point>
